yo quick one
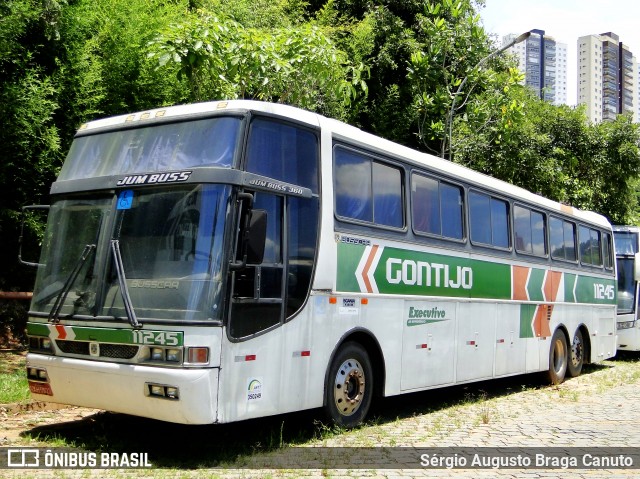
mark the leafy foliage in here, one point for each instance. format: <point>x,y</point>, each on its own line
<point>398,68</point>
<point>299,65</point>
<point>554,151</point>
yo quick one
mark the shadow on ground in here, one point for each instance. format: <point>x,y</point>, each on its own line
<point>186,447</point>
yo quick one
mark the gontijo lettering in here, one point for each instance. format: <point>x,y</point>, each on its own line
<point>421,273</point>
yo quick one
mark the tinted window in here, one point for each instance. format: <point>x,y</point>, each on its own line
<point>452,205</point>
<point>590,252</point>
<point>387,195</point>
<point>500,223</point>
<point>489,219</point>
<point>367,190</point>
<point>626,243</point>
<point>425,205</point>
<point>173,146</point>
<point>283,152</point>
<point>353,186</point>
<point>480,217</point>
<point>302,214</point>
<point>562,235</point>
<point>436,207</point>
<point>529,231</point>
<point>538,233</point>
<point>607,250</point>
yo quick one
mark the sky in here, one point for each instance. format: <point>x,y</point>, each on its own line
<point>566,21</point>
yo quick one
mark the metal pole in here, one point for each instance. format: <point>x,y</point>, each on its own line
<point>449,123</point>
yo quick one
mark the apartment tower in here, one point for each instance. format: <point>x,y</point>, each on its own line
<point>543,61</point>
<point>607,77</point>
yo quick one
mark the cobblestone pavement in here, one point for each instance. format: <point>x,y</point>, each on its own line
<point>599,409</point>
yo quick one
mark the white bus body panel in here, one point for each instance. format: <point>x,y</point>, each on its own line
<point>121,388</point>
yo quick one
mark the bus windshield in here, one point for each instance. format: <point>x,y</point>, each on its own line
<point>171,247</point>
<point>626,286</point>
<point>626,242</point>
<point>165,147</point>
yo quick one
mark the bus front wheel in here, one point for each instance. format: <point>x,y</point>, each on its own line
<point>558,358</point>
<point>349,387</point>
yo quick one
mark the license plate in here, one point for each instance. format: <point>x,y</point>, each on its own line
<point>40,388</point>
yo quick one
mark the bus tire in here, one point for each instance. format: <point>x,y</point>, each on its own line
<point>576,355</point>
<point>558,358</point>
<point>349,387</point>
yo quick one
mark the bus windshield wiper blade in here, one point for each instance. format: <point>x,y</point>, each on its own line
<point>62,295</point>
<point>122,280</point>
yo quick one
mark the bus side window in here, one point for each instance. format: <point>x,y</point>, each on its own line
<point>563,239</point>
<point>607,251</point>
<point>489,219</point>
<point>436,207</point>
<point>367,190</point>
<point>529,231</point>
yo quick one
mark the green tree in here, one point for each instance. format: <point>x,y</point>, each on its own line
<point>556,152</point>
<point>298,65</point>
<point>29,138</point>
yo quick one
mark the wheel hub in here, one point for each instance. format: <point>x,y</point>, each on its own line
<point>576,351</point>
<point>349,387</point>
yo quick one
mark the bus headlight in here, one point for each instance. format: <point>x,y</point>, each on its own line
<point>156,390</point>
<point>162,391</point>
<point>173,355</point>
<point>40,344</point>
<point>157,354</point>
<point>172,393</point>
<point>37,374</point>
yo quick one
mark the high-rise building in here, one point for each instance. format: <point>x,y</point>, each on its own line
<point>543,61</point>
<point>607,77</point>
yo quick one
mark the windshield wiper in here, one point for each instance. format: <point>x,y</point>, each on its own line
<point>62,295</point>
<point>122,280</point>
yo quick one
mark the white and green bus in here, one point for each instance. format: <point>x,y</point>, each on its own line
<point>626,240</point>
<point>223,261</point>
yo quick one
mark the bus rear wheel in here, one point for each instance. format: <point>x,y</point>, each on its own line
<point>558,358</point>
<point>349,387</point>
<point>576,355</point>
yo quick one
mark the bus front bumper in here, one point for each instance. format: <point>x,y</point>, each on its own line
<point>185,396</point>
<point>629,337</point>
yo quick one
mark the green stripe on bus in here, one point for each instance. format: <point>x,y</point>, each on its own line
<point>367,268</point>
<point>527,311</point>
<point>534,286</point>
<point>37,329</point>
<point>348,258</point>
<point>569,285</point>
<point>107,335</point>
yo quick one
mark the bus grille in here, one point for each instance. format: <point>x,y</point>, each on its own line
<point>114,351</point>
<point>118,351</point>
<point>73,347</point>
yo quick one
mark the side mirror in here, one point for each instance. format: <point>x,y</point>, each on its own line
<point>636,267</point>
<point>252,235</point>
<point>256,236</point>
<point>28,239</point>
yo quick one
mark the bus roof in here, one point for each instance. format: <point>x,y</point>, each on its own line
<point>348,133</point>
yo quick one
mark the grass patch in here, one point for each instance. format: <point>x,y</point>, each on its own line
<point>13,379</point>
